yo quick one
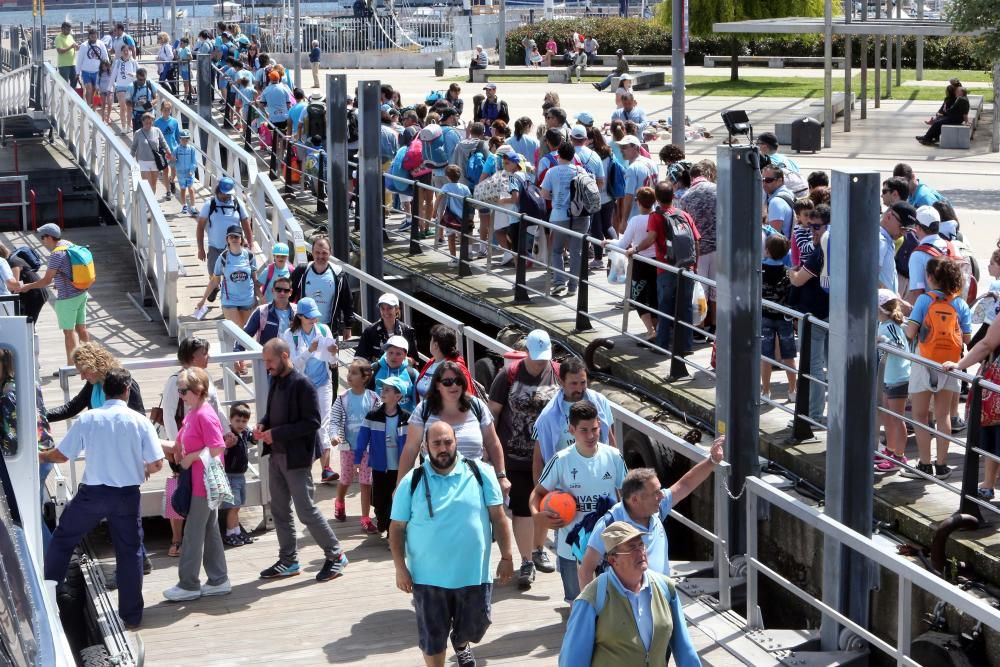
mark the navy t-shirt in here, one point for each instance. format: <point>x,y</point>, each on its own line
<point>811,297</point>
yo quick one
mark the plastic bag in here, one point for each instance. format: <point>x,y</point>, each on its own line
<point>699,304</point>
<point>618,273</point>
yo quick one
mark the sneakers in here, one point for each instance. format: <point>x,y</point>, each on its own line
<point>406,225</point>
<point>540,559</point>
<point>340,511</point>
<point>147,565</point>
<point>596,264</point>
<point>942,471</point>
<point>792,396</point>
<point>368,526</point>
<point>225,588</point>
<point>985,494</point>
<point>178,594</point>
<point>596,86</point>
<point>233,540</point>
<point>173,187</point>
<point>168,197</point>
<point>280,569</point>
<point>465,657</point>
<point>957,424</point>
<point>453,262</point>
<point>245,536</point>
<point>329,476</point>
<point>504,259</point>
<point>526,575</point>
<point>184,209</point>
<point>925,468</point>
<point>332,569</point>
<point>559,291</point>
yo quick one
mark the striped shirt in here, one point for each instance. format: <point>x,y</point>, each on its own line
<point>59,262</point>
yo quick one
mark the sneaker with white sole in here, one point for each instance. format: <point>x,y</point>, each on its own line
<point>792,396</point>
<point>465,657</point>
<point>542,562</point>
<point>925,468</point>
<point>332,569</point>
<point>225,588</point>
<point>178,594</point>
<point>526,575</point>
<point>280,569</point>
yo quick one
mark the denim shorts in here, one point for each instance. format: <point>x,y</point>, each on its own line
<point>462,612</point>
<point>238,484</point>
<point>89,78</point>
<point>785,330</point>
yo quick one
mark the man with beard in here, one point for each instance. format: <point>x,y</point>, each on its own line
<point>445,514</point>
<point>517,396</point>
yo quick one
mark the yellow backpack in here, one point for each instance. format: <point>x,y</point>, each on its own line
<point>82,272</point>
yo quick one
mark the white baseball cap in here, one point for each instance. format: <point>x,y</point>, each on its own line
<point>629,140</point>
<point>927,216</point>
<point>539,345</point>
<point>397,341</point>
<point>389,300</point>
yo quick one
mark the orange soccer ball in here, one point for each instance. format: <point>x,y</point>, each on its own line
<point>560,502</point>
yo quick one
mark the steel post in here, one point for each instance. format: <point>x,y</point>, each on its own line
<point>205,86</point>
<point>521,266</point>
<point>583,291</point>
<point>464,261</point>
<point>828,118</point>
<point>848,70</point>
<point>297,40</point>
<point>739,312</point>
<point>920,43</point>
<point>852,396</point>
<point>370,190</point>
<point>337,172</point>
<point>503,34</point>
<point>677,113</point>
<point>970,467</point>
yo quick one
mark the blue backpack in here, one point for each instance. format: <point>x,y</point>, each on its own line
<point>434,151</point>
<point>474,167</point>
<point>615,184</point>
<point>396,169</point>
<point>531,203</point>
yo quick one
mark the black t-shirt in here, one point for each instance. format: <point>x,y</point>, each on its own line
<point>811,297</point>
<point>237,457</point>
<point>522,404</point>
<point>774,287</point>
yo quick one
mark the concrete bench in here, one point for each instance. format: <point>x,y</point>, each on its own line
<point>640,80</point>
<point>552,74</point>
<point>612,59</point>
<point>815,110</point>
<point>773,61</point>
<point>960,136</point>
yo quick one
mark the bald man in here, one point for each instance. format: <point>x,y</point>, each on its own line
<point>290,433</point>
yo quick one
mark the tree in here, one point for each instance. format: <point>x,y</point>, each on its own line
<point>982,17</point>
<point>702,14</point>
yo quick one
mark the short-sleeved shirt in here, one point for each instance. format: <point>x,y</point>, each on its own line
<point>641,172</point>
<point>450,549</point>
<point>588,479</point>
<point>779,209</point>
<point>237,273</point>
<point>918,261</point>
<point>275,98</point>
<point>654,535</point>
<point>636,115</point>
<point>201,429</point>
<point>887,261</point>
<point>551,429</point>
<point>468,434</point>
<point>591,161</point>
<point>59,262</point>
<point>322,287</point>
<point>118,442</point>
<point>522,403</point>
<point>700,201</point>
<point>924,301</point>
<point>64,41</point>
<point>556,181</point>
<point>5,275</point>
<point>455,203</point>
<point>269,287</point>
<point>226,214</point>
<point>295,113</point>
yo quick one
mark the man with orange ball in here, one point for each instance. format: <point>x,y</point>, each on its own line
<point>593,473</point>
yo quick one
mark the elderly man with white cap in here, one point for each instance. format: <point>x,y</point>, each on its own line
<point>641,172</point>
<point>71,301</point>
<point>629,615</point>
<point>376,335</point>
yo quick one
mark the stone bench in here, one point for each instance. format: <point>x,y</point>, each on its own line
<point>960,136</point>
<point>815,110</point>
<point>773,61</point>
<point>612,60</point>
<point>640,80</point>
<point>552,74</point>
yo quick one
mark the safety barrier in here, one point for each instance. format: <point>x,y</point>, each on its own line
<point>15,92</point>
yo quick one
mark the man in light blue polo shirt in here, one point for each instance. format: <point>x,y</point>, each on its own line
<point>123,449</point>
<point>556,187</point>
<point>640,172</point>
<point>896,219</point>
<point>646,505</point>
<point>218,215</point>
<point>444,516</point>
<point>630,112</point>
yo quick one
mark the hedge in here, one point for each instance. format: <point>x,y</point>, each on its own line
<point>641,36</point>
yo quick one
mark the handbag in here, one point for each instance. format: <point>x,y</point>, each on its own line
<point>181,500</point>
<point>159,154</point>
<point>216,481</point>
<point>494,188</point>
<point>451,221</point>
<point>991,399</point>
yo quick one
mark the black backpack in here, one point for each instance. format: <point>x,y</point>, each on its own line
<point>531,202</point>
<point>682,250</point>
<point>352,126</point>
<point>316,113</point>
<point>418,475</point>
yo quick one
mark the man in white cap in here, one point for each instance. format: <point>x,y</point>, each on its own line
<point>216,216</point>
<point>630,615</point>
<point>376,335</point>
<point>641,172</point>
<point>479,60</point>
<point>71,301</point>
<point>517,396</point>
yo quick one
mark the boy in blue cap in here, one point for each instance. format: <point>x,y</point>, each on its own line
<point>186,161</point>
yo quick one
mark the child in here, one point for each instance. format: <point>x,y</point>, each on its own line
<point>384,433</point>
<point>185,161</point>
<point>349,412</point>
<point>801,233</point>
<point>939,324</point>
<point>536,57</point>
<point>184,58</point>
<point>106,87</point>
<point>276,269</point>
<point>895,383</point>
<point>774,287</point>
<point>450,208</point>
<point>643,287</point>
<point>236,459</point>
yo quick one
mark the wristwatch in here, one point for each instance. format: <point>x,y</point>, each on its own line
<point>501,475</point>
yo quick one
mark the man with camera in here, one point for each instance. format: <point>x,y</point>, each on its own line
<point>141,98</point>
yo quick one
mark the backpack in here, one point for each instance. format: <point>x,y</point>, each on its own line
<point>352,126</point>
<point>418,475</point>
<point>584,195</point>
<point>531,202</point>
<point>262,312</point>
<point>474,167</point>
<point>434,151</point>
<point>81,265</point>
<point>516,366</point>
<point>615,181</point>
<point>398,169</point>
<point>313,160</point>
<point>682,247</point>
<point>414,157</point>
<point>214,205</point>
<point>970,285</point>
<point>29,256</point>
<point>940,337</point>
<point>316,114</point>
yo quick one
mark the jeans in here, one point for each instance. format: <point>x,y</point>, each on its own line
<point>817,369</point>
<point>666,294</point>
<point>601,227</point>
<point>295,485</point>
<point>120,506</point>
<point>607,81</point>
<point>559,241</point>
<point>68,72</point>
<point>202,545</point>
<point>570,582</point>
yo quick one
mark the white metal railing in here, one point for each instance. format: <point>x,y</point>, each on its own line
<point>469,337</point>
<point>909,575</point>
<point>219,155</point>
<point>109,165</point>
<point>15,91</point>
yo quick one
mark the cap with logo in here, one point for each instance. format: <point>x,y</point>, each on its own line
<point>280,249</point>
<point>185,134</point>
<point>538,345</point>
<point>234,230</point>
<point>226,185</point>
<point>389,300</point>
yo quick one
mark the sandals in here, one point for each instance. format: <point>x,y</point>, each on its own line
<point>985,494</point>
<point>175,549</point>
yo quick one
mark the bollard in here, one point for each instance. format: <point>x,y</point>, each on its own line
<point>801,429</point>
<point>464,265</point>
<point>521,268</point>
<point>678,369</point>
<point>439,67</point>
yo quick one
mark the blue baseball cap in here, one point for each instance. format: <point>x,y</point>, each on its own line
<point>280,249</point>
<point>585,118</point>
<point>394,381</point>
<point>226,185</point>
<point>307,308</point>
<point>185,134</point>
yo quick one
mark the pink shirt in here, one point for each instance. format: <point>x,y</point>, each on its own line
<point>201,428</point>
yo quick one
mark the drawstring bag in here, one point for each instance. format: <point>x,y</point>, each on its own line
<point>216,482</point>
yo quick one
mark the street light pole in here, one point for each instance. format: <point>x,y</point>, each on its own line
<point>677,125</point>
<point>503,34</point>
<point>297,27</point>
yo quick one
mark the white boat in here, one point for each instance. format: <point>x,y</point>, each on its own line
<point>228,9</point>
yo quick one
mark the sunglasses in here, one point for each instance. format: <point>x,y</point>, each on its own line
<point>770,179</point>
<point>183,391</point>
<point>449,382</point>
<point>817,227</point>
<point>885,191</point>
<point>282,290</point>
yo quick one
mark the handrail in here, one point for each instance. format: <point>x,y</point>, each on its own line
<point>15,91</point>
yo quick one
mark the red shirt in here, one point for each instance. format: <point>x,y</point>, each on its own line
<point>658,223</point>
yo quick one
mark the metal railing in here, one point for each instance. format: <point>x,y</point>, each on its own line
<point>470,337</point>
<point>21,201</point>
<point>15,92</point>
<point>759,494</point>
<point>109,165</point>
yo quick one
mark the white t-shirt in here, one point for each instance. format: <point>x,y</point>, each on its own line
<point>123,72</point>
<point>588,479</point>
<point>468,434</point>
<point>634,233</point>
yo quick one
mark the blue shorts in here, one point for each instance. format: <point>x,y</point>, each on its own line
<point>89,78</point>
<point>238,484</point>
<point>462,612</point>
<point>784,330</point>
<point>122,89</point>
<point>186,74</point>
<point>185,180</point>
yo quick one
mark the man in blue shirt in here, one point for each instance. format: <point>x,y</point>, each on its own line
<point>920,194</point>
<point>926,231</point>
<point>640,172</point>
<point>556,187</point>
<point>780,214</point>
<point>123,450</point>
<point>630,112</point>
<point>444,516</point>
<point>896,219</point>
<point>218,215</point>
<point>314,57</point>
